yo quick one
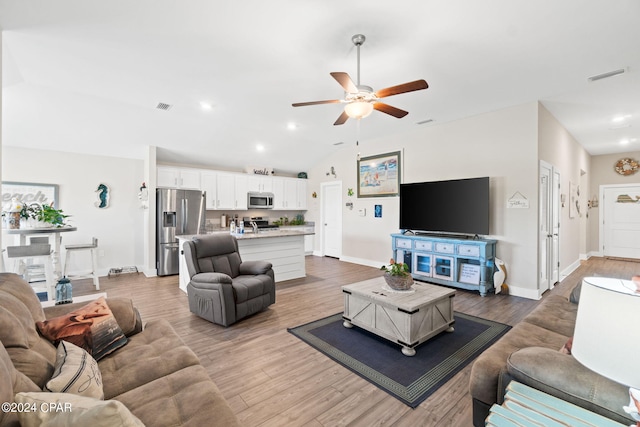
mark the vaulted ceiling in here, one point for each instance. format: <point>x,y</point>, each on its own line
<point>87,75</point>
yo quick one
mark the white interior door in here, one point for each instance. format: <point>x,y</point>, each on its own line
<point>545,229</point>
<point>331,218</point>
<point>555,229</point>
<point>620,221</point>
<point>549,232</point>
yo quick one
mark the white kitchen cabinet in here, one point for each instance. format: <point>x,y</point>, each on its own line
<point>241,183</point>
<point>260,183</point>
<point>301,194</point>
<point>290,193</point>
<point>173,177</point>
<point>208,183</point>
<point>226,191</point>
<point>278,193</point>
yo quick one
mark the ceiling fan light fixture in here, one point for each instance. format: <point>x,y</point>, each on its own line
<point>358,109</point>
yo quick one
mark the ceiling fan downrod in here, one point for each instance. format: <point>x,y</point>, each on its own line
<point>358,40</point>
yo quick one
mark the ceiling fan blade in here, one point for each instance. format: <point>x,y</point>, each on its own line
<point>403,88</point>
<point>388,109</point>
<point>304,104</point>
<point>343,118</point>
<point>345,81</point>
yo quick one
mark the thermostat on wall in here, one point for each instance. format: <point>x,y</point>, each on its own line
<point>362,212</point>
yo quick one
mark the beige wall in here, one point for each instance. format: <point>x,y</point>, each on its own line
<point>119,227</point>
<point>604,174</point>
<point>558,148</point>
<point>500,144</point>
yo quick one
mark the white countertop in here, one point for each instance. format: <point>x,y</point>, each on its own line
<point>262,234</point>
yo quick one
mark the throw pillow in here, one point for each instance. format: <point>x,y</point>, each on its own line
<point>75,372</point>
<point>92,327</point>
<point>566,348</point>
<point>64,409</point>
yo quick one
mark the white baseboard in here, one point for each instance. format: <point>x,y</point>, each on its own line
<point>367,262</point>
<point>528,293</point>
<point>570,269</point>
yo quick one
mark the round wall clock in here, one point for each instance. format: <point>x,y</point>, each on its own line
<point>626,166</point>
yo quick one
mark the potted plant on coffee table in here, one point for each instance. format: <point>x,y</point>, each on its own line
<point>397,275</point>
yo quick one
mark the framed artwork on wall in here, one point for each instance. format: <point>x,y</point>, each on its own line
<point>28,193</point>
<point>379,175</point>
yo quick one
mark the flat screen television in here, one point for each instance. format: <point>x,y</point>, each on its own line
<point>459,206</point>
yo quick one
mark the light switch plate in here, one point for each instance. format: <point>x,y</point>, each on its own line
<point>362,212</point>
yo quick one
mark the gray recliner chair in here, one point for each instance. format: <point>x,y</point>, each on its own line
<point>223,289</point>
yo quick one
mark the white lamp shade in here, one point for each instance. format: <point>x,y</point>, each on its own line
<point>358,109</point>
<point>607,338</point>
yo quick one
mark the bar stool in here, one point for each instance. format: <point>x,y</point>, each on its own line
<point>93,247</point>
<point>23,256</point>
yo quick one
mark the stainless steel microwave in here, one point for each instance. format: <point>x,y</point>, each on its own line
<point>260,200</point>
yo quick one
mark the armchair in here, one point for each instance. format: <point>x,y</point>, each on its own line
<point>223,289</point>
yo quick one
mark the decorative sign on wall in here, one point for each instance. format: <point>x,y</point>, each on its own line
<point>259,170</point>
<point>378,211</point>
<point>28,193</point>
<point>104,193</point>
<point>517,201</point>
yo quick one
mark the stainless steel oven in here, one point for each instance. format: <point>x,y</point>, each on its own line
<point>259,200</point>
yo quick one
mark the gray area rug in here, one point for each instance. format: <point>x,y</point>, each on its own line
<point>379,361</point>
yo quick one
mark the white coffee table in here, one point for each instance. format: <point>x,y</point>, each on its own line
<point>408,318</point>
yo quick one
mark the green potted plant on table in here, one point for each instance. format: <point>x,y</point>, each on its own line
<point>397,275</point>
<point>49,216</point>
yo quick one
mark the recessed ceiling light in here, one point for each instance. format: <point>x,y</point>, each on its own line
<point>259,147</point>
<point>206,106</point>
<point>292,126</point>
<point>624,141</point>
<point>619,119</point>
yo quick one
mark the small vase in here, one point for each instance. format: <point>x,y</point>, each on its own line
<point>14,220</point>
<point>398,283</point>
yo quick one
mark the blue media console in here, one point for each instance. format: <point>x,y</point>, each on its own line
<point>445,260</point>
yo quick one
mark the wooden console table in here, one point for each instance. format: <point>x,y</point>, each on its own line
<point>462,263</point>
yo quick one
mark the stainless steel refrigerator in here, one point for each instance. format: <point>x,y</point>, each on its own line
<point>178,212</point>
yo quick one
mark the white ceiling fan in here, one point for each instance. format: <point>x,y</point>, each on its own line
<point>361,100</point>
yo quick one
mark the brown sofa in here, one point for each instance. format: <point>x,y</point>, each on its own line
<point>530,354</point>
<point>154,375</point>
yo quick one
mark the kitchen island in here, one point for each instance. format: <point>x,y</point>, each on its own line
<point>284,249</point>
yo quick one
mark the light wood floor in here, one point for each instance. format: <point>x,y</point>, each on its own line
<point>272,378</point>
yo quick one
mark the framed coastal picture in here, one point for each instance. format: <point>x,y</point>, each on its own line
<point>379,175</point>
<point>28,193</point>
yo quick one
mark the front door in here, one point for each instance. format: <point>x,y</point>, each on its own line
<point>620,221</point>
<point>331,217</point>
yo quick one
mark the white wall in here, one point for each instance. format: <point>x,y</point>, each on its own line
<point>500,144</point>
<point>119,227</point>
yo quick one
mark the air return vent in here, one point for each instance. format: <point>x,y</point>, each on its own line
<point>163,106</point>
<point>607,75</point>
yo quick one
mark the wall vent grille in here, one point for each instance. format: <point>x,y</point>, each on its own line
<point>163,106</point>
<point>606,75</point>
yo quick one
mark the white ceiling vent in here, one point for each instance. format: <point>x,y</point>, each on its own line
<point>163,106</point>
<point>607,75</point>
